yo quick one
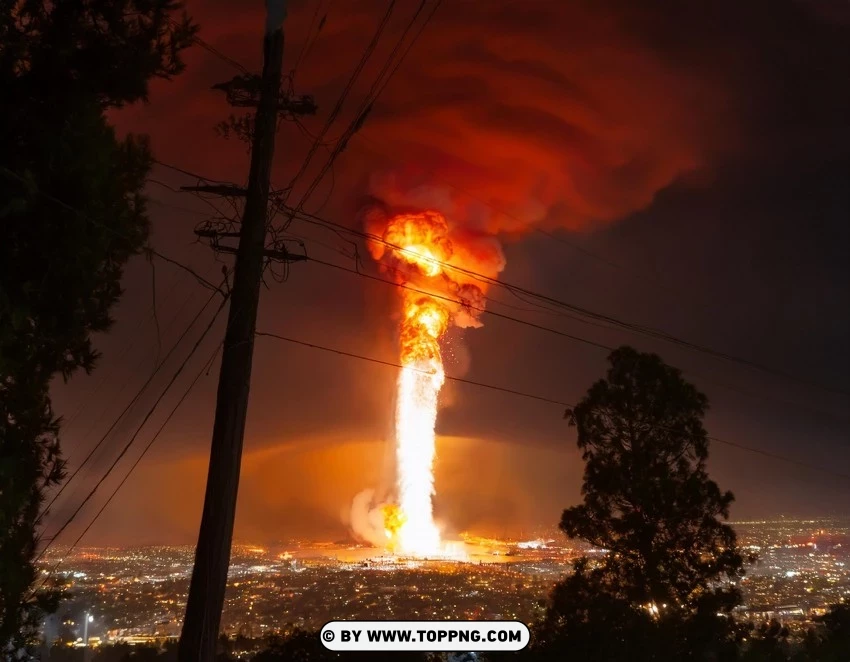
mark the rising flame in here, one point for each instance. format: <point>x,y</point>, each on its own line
<point>423,240</point>
<point>423,247</point>
<point>436,266</point>
<point>423,324</point>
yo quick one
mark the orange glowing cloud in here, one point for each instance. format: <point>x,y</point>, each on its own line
<point>540,114</point>
<point>504,115</point>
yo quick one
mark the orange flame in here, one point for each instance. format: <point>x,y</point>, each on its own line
<point>423,239</point>
<point>394,519</point>
<point>424,323</point>
<point>418,245</point>
<point>421,248</point>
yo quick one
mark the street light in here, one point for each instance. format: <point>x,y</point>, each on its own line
<point>88,619</point>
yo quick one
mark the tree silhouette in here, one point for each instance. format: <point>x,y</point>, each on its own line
<point>648,501</point>
<point>768,643</point>
<point>832,644</point>
<point>72,213</point>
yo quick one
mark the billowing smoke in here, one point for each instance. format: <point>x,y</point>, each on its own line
<point>366,518</point>
<point>555,115</point>
<point>473,255</point>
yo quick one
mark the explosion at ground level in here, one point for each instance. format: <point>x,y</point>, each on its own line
<point>419,248</point>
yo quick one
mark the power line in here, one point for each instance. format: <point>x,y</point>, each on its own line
<point>538,307</point>
<point>189,173</point>
<point>412,43</point>
<point>532,396</point>
<point>138,369</point>
<point>615,322</point>
<point>134,336</point>
<point>558,332</point>
<point>310,39</point>
<point>375,91</point>
<point>214,51</point>
<point>138,429</point>
<point>127,408</point>
<point>218,215</point>
<point>185,210</point>
<point>341,100</point>
<point>467,305</point>
<point>426,372</point>
<point>106,227</point>
<point>153,309</point>
<point>204,369</point>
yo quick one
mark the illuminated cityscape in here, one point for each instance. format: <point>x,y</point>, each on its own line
<point>138,595</point>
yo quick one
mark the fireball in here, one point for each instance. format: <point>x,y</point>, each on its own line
<point>420,248</point>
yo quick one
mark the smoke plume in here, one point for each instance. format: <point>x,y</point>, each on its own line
<point>556,115</point>
<point>366,518</point>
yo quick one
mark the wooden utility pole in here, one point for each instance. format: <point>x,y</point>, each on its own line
<point>212,557</point>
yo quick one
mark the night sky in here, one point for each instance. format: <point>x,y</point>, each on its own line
<point>683,166</point>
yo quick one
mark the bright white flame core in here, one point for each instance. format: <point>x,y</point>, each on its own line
<point>416,416</point>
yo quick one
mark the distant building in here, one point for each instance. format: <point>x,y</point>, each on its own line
<point>781,614</point>
<point>822,540</point>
